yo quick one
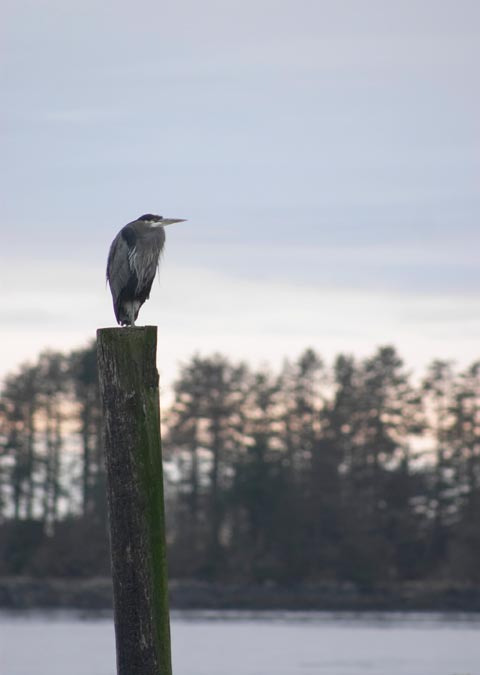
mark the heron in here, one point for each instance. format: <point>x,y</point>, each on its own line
<point>133,262</point>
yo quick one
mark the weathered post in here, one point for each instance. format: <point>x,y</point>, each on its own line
<point>129,390</point>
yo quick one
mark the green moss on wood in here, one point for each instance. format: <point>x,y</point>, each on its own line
<point>129,384</point>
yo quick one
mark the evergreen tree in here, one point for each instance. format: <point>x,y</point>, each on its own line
<point>207,410</point>
<point>259,484</point>
<point>20,402</point>
<point>464,439</point>
<point>88,414</point>
<point>439,395</point>
<point>52,392</point>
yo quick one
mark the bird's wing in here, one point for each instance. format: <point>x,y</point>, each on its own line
<point>145,259</point>
<point>119,266</point>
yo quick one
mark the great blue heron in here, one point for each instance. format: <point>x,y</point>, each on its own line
<point>133,262</point>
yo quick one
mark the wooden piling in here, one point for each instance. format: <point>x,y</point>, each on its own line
<point>129,390</point>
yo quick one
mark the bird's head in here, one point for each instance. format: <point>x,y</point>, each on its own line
<point>159,221</point>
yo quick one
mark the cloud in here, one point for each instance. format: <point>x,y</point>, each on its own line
<point>326,157</point>
<point>258,320</point>
<point>26,316</point>
<point>79,116</point>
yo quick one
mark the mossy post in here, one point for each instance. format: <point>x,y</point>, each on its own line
<point>129,390</point>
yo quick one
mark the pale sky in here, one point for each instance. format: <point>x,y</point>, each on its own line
<point>325,154</point>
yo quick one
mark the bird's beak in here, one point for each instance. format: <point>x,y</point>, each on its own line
<point>170,221</point>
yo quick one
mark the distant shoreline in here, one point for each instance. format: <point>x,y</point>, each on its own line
<point>96,594</point>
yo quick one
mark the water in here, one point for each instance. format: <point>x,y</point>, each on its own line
<point>261,643</point>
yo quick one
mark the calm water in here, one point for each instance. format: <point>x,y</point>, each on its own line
<point>242,643</point>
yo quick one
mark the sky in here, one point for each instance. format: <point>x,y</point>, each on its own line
<point>325,154</point>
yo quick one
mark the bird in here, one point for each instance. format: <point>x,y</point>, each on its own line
<point>132,263</point>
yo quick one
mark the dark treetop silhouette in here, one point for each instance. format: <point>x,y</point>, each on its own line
<point>133,262</point>
<point>353,471</point>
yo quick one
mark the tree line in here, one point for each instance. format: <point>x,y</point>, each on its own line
<point>355,471</point>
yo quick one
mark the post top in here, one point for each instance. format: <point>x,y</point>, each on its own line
<point>129,337</point>
<point>127,330</point>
